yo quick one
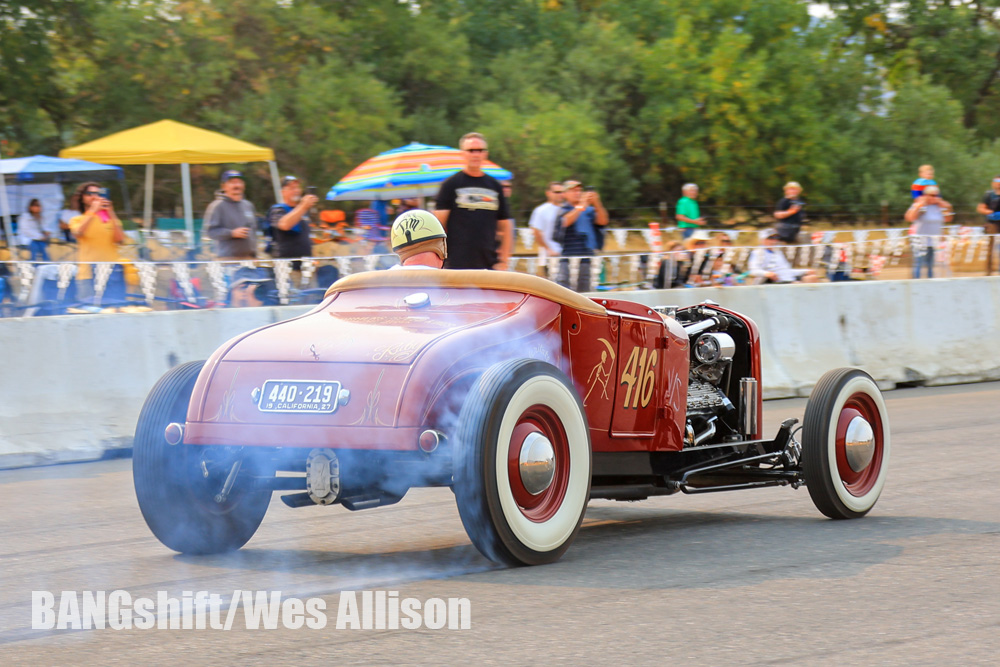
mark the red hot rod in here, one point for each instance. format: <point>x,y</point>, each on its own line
<point>525,398</point>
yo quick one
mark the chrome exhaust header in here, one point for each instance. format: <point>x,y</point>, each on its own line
<point>748,407</point>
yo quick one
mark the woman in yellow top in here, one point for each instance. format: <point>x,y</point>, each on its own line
<point>98,232</point>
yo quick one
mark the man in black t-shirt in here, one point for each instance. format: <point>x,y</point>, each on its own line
<point>473,209</point>
<point>990,207</point>
<point>290,222</point>
<point>788,213</point>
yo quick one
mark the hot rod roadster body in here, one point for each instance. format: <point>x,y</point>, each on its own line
<point>525,398</point>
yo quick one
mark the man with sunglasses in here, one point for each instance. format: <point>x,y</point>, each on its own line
<point>544,219</point>
<point>990,207</point>
<point>929,213</point>
<point>473,209</point>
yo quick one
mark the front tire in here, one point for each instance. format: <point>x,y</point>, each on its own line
<point>519,505</point>
<point>845,444</point>
<point>176,498</point>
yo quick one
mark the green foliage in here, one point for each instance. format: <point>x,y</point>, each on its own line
<point>634,96</point>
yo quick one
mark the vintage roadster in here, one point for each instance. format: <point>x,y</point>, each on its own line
<point>525,398</point>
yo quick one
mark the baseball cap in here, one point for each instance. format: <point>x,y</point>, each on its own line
<point>688,186</point>
<point>230,174</point>
<point>568,185</point>
<point>288,179</point>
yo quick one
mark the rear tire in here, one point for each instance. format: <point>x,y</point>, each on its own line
<point>845,475</point>
<point>176,500</point>
<point>513,405</point>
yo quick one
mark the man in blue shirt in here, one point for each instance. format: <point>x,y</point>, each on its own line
<point>581,216</point>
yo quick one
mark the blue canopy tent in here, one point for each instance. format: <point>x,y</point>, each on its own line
<point>45,169</point>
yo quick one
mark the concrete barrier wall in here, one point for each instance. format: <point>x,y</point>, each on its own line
<point>73,386</point>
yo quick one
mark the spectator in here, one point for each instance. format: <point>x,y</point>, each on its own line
<point>370,222</point>
<point>768,265</point>
<point>688,214</point>
<point>990,207</point>
<point>788,212</point>
<point>98,232</point>
<point>701,261</point>
<point>231,220</point>
<point>928,214</point>
<point>925,177</point>
<point>65,216</point>
<point>419,240</point>
<point>411,204</point>
<point>544,219</point>
<point>720,271</point>
<point>675,267</point>
<point>290,222</point>
<point>582,213</point>
<point>473,210</point>
<point>29,227</point>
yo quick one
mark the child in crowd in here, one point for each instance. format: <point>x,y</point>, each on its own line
<point>926,177</point>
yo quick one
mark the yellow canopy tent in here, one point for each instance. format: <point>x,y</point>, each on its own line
<point>170,142</point>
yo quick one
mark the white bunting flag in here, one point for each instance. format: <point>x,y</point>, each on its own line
<point>283,277</point>
<point>217,276</point>
<point>527,235</point>
<point>102,273</point>
<point>147,280</point>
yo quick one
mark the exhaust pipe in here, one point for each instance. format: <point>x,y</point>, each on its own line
<point>748,407</point>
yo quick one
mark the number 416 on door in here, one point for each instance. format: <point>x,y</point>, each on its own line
<point>639,377</point>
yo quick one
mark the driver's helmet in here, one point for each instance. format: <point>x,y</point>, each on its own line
<point>418,231</point>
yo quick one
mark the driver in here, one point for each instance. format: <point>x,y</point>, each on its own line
<point>419,239</point>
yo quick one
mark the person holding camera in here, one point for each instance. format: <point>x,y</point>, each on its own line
<point>928,214</point>
<point>98,232</point>
<point>290,221</point>
<point>582,215</point>
<point>788,213</point>
<point>231,220</point>
<point>990,207</point>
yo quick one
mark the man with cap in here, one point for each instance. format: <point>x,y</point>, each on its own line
<point>231,221</point>
<point>290,221</point>
<point>769,265</point>
<point>990,207</point>
<point>788,213</point>
<point>582,215</point>
<point>688,214</point>
<point>420,240</point>
<point>929,213</point>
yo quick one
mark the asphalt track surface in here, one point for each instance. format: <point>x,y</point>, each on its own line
<point>746,577</point>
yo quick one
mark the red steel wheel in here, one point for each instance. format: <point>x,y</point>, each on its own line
<point>522,463</point>
<point>845,444</point>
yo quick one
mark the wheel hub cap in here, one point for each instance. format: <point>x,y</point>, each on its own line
<point>537,463</point>
<point>859,444</point>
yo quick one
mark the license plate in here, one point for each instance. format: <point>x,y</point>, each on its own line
<point>299,396</point>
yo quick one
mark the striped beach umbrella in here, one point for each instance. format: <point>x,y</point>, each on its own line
<point>416,170</point>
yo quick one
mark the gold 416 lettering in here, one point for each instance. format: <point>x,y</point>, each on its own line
<point>639,377</point>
